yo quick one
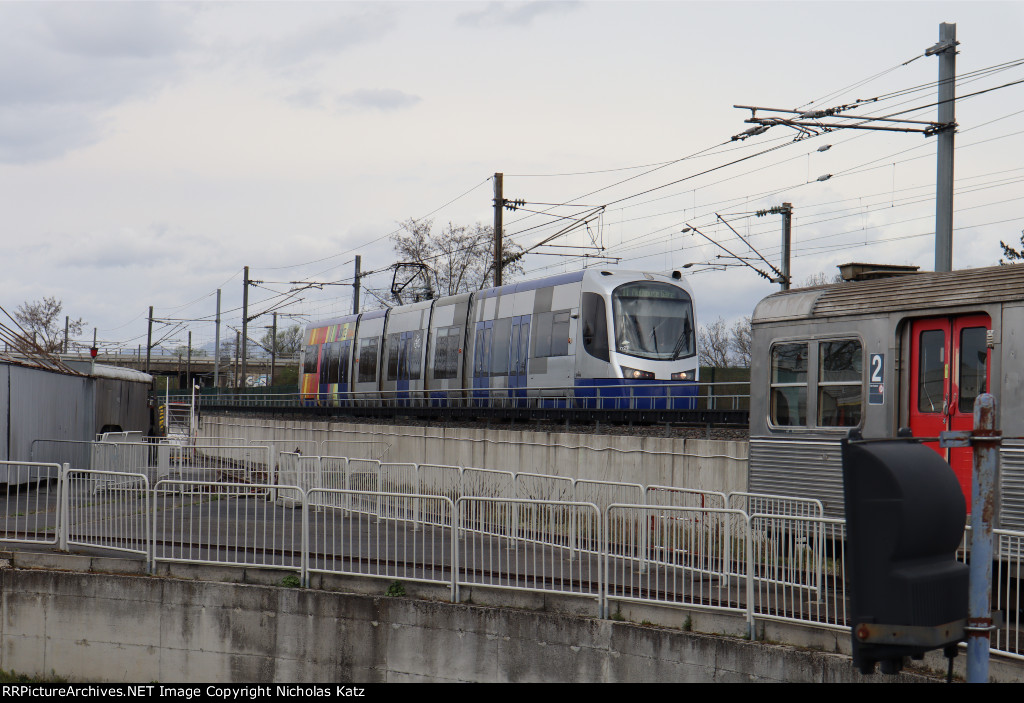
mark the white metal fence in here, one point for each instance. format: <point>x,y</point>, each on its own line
<point>685,551</point>
<point>31,494</point>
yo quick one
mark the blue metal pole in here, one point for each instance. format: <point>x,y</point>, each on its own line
<point>986,440</point>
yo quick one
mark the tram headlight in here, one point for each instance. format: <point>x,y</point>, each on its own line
<point>636,374</point>
<point>682,376</point>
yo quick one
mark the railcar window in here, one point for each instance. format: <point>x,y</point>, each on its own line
<point>310,358</point>
<point>973,379</point>
<point>595,326</point>
<point>542,335</point>
<point>330,362</point>
<point>560,334</point>
<point>440,354</point>
<point>501,340</point>
<point>551,334</point>
<point>789,385</point>
<point>368,359</point>
<point>343,366</point>
<point>483,345</point>
<point>931,375</point>
<point>393,342</point>
<point>446,348</point>
<point>840,383</point>
<point>414,353</point>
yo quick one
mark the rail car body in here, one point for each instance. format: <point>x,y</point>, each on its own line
<point>590,338</point>
<point>909,351</point>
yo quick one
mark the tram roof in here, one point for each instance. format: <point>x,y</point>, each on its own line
<point>921,291</point>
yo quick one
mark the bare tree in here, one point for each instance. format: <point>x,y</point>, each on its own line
<point>713,344</point>
<point>822,279</point>
<point>289,341</point>
<point>1012,255</point>
<point>459,258</point>
<point>739,341</point>
<point>41,319</point>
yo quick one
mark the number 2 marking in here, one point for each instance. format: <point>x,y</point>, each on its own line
<point>876,368</point>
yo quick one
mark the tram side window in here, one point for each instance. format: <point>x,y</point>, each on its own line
<point>973,376</point>
<point>840,383</point>
<point>446,352</point>
<point>551,334</point>
<point>560,334</point>
<point>368,359</point>
<point>542,335</point>
<point>393,341</point>
<point>330,362</point>
<point>343,364</point>
<point>595,326</point>
<point>501,340</point>
<point>789,385</point>
<point>482,349</point>
<point>310,358</point>
<point>414,354</point>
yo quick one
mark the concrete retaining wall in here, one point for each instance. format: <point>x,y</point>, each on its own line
<point>686,463</point>
<point>91,627</point>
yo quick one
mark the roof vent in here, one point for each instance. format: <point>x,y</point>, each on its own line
<point>868,272</point>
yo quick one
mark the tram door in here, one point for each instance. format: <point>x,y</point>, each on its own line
<point>482,362</point>
<point>517,357</point>
<point>949,366</point>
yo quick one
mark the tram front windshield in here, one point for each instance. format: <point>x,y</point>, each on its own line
<point>653,321</point>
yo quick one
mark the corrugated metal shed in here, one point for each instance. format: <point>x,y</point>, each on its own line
<point>38,403</point>
<point>923,291</point>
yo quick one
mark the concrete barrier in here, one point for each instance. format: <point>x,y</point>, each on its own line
<point>686,463</point>
<point>101,627</point>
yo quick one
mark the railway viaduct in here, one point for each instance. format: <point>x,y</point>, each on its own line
<point>199,367</point>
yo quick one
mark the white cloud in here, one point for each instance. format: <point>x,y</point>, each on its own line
<point>62,66</point>
<point>384,99</point>
<point>514,13</point>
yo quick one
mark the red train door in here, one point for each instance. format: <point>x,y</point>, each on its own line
<point>949,367</point>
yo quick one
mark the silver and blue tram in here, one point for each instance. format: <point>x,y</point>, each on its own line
<point>593,338</point>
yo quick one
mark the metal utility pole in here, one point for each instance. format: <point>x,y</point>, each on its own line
<point>216,347</point>
<point>273,350</point>
<point>67,322</point>
<point>499,203</point>
<point>355,287</point>
<point>787,241</point>
<point>811,123</point>
<point>188,363</point>
<point>237,347</point>
<point>149,338</point>
<point>245,321</point>
<point>945,49</point>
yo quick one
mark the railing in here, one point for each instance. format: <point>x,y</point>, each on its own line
<point>107,510</point>
<point>684,556</point>
<point>31,492</point>
<point>531,545</point>
<point>781,566</point>
<point>731,395</point>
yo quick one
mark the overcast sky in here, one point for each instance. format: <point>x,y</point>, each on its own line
<point>149,151</point>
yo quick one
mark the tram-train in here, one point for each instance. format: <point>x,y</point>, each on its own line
<point>592,336</point>
<point>897,350</point>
